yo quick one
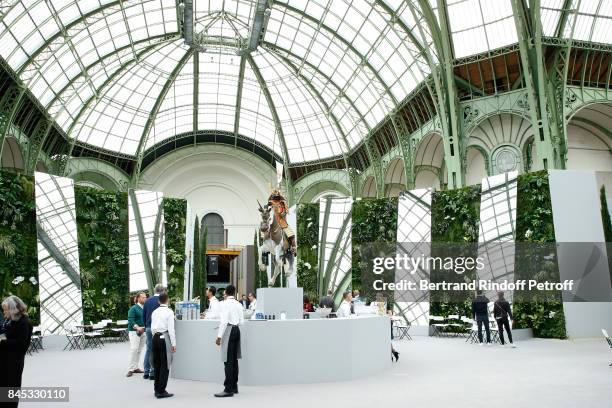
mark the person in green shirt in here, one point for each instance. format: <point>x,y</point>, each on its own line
<point>136,328</point>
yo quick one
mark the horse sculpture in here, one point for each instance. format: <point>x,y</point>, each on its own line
<point>274,241</point>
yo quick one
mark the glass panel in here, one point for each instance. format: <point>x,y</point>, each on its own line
<point>336,250</point>
<point>481,25</point>
<point>58,254</point>
<point>147,240</point>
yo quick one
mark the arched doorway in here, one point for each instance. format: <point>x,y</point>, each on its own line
<point>476,168</point>
<point>429,161</point>
<point>12,158</point>
<point>395,178</point>
<point>369,188</point>
<point>589,139</point>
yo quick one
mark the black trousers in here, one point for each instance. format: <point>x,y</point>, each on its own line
<point>231,365</point>
<point>487,329</point>
<point>160,363</point>
<point>501,323</point>
<point>10,374</point>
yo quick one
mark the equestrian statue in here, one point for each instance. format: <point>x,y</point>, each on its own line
<point>276,237</point>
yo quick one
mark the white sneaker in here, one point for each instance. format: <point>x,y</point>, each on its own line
<point>480,344</point>
<point>489,344</point>
<point>512,345</point>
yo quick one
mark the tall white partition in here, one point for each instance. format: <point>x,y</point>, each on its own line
<point>414,240</point>
<point>58,254</point>
<point>581,253</point>
<point>147,239</point>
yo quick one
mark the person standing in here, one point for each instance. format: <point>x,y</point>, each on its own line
<point>14,344</point>
<point>480,312</point>
<point>228,338</point>
<point>244,302</point>
<point>136,329</point>
<point>252,301</point>
<point>502,312</point>
<point>344,310</point>
<point>214,306</point>
<point>327,301</point>
<point>308,307</point>
<point>164,344</point>
<point>357,297</point>
<point>149,307</point>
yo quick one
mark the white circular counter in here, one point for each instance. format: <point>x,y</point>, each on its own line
<point>287,351</point>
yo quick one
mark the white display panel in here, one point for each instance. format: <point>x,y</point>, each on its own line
<point>147,239</point>
<point>58,254</point>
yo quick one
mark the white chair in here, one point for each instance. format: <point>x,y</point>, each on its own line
<point>453,321</point>
<point>74,337</point>
<point>401,327</point>
<point>121,331</point>
<point>438,328</point>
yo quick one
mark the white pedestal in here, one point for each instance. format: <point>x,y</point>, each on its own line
<point>273,301</point>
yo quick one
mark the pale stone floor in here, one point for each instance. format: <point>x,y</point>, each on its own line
<point>432,372</point>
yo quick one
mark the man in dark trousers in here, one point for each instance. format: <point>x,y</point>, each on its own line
<point>164,344</point>
<point>502,312</point>
<point>149,307</point>
<point>480,312</point>
<point>228,338</point>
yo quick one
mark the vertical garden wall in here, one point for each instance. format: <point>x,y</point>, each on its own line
<point>307,248</point>
<point>102,223</point>
<point>374,233</point>
<point>175,220</point>
<point>454,221</point>
<point>18,248</point>
<point>535,233</point>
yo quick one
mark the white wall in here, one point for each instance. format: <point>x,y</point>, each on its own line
<point>214,178</point>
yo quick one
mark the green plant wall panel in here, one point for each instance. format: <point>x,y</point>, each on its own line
<point>374,232</point>
<point>307,249</point>
<point>534,224</point>
<point>103,253</point>
<point>175,219</point>
<point>18,251</point>
<point>454,221</point>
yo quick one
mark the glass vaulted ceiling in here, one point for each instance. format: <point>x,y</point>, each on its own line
<point>118,76</point>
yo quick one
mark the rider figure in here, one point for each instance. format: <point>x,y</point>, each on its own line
<point>279,204</point>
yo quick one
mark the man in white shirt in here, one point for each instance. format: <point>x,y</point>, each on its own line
<point>228,338</point>
<point>345,307</point>
<point>252,301</point>
<point>164,344</point>
<point>214,306</point>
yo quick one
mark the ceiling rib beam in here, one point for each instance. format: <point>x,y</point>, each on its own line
<point>92,98</point>
<point>346,43</point>
<point>323,104</point>
<point>110,54</point>
<point>151,120</point>
<point>277,122</point>
<point>239,99</point>
<point>67,27</point>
